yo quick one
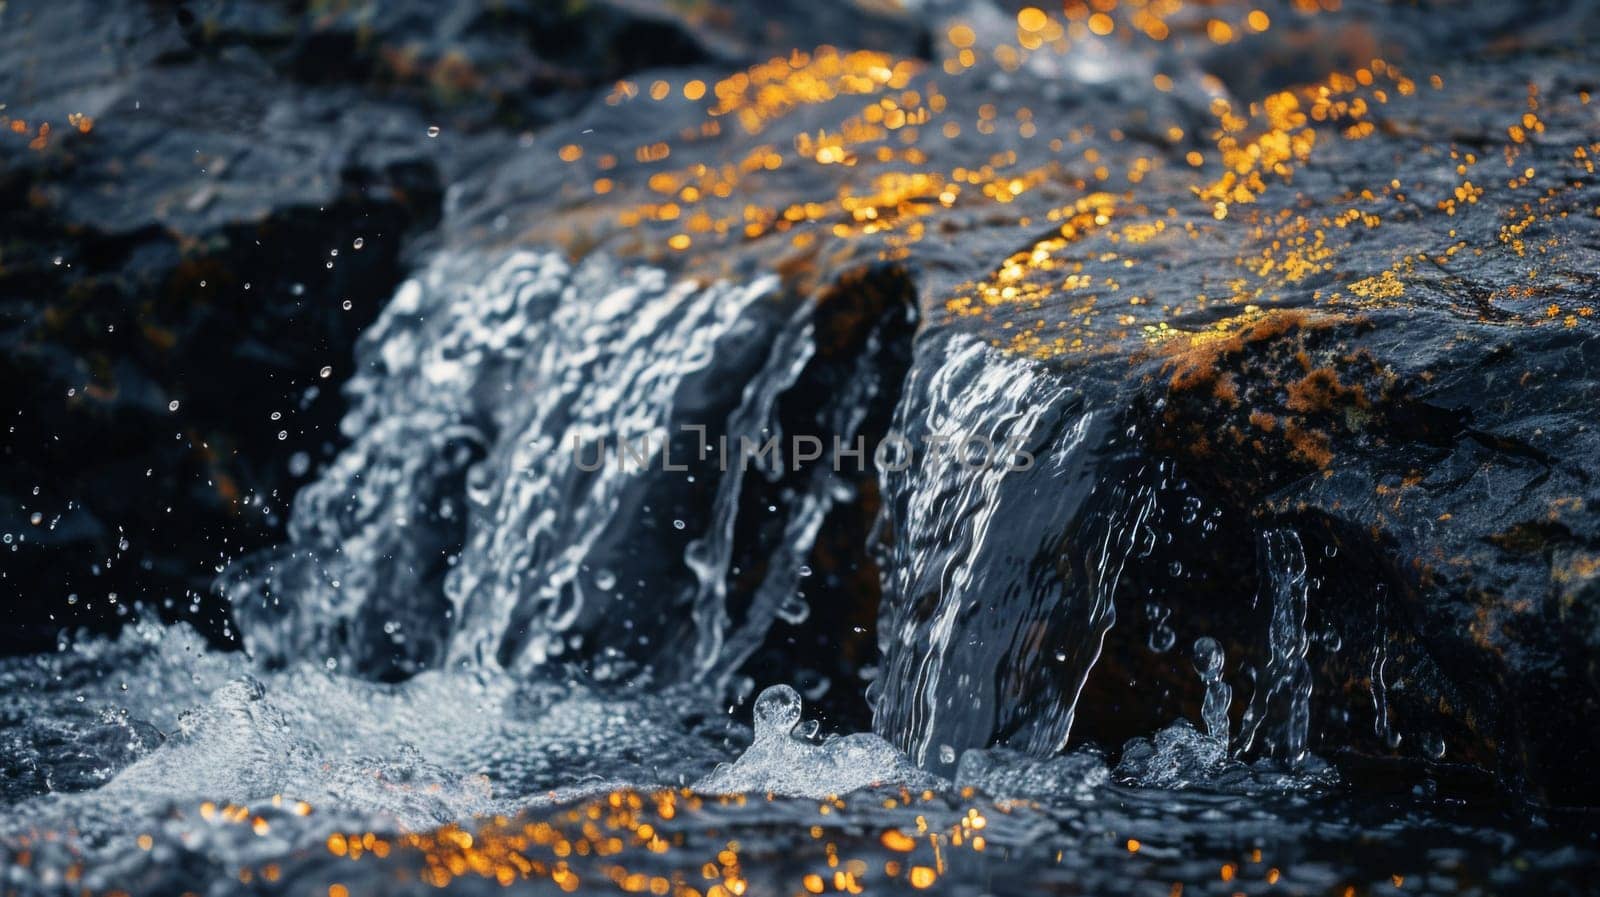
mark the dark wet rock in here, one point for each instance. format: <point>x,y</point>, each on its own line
<point>1400,374</point>
<point>1442,466</point>
<point>527,63</point>
<point>1424,424</point>
<point>180,264</point>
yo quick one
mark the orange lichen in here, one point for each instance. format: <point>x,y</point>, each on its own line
<point>1225,389</point>
<point>1320,390</point>
<point>1193,361</point>
<point>1308,445</point>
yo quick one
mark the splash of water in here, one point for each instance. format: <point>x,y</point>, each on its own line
<point>1284,692</point>
<point>1208,662</point>
<point>1004,773</point>
<point>781,761</point>
<point>200,729</point>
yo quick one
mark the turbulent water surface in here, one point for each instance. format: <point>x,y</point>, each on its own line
<point>170,769</point>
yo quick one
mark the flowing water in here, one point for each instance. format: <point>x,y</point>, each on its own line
<point>982,634</point>
<point>572,547</point>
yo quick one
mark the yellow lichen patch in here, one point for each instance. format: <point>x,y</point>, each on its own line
<point>823,147</point>
<point>771,89</point>
<point>1278,134</point>
<point>1284,141</point>
<point>1020,277</point>
<point>1383,286</point>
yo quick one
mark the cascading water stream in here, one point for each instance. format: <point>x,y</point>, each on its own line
<point>999,572</point>
<point>519,498</point>
<point>607,375</point>
<point>557,458</point>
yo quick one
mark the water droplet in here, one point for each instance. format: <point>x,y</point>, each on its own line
<point>358,242</point>
<point>282,435</point>
<point>1208,662</point>
<point>433,130</point>
<point>326,372</point>
<point>605,580</point>
<point>347,305</point>
<point>777,711</point>
<point>1208,658</point>
<point>1161,637</point>
<point>172,405</point>
<point>678,524</point>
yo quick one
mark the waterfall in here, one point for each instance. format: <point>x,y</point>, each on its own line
<point>591,468</point>
<point>614,371</point>
<point>998,577</point>
<point>578,466</point>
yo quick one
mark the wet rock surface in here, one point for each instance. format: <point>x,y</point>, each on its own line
<point>1335,273</point>
<point>188,246</point>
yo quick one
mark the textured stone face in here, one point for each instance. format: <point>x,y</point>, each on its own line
<point>1331,268</point>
